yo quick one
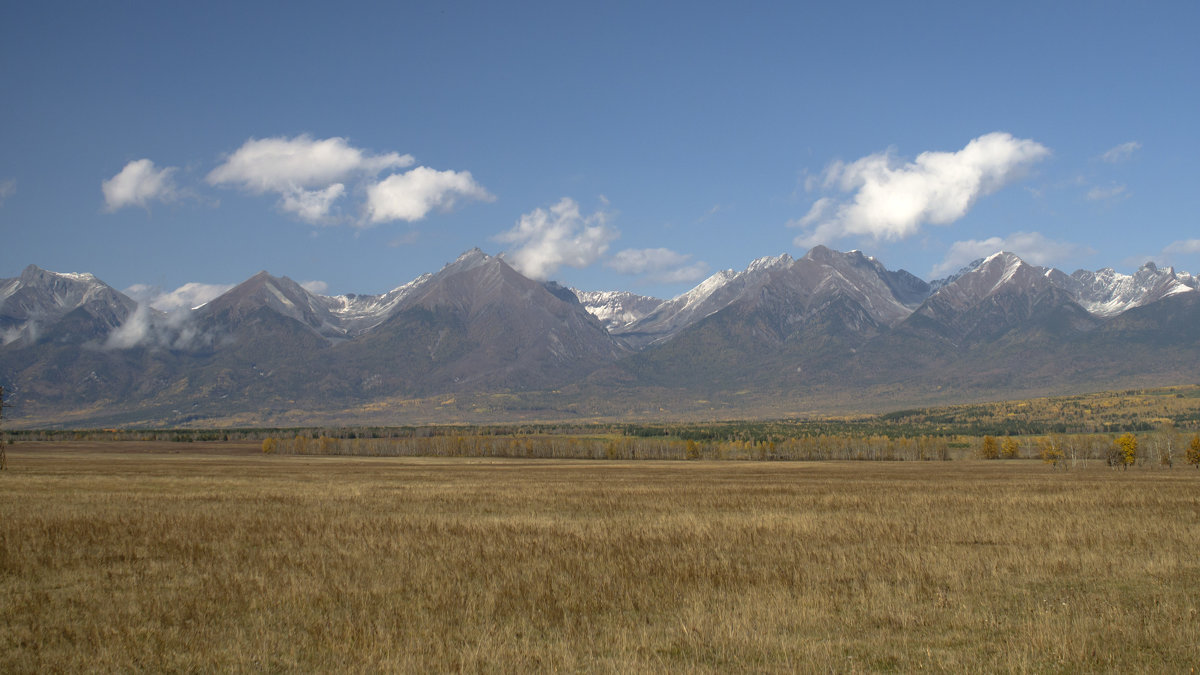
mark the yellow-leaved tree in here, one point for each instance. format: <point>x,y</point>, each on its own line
<point>1051,451</point>
<point>1193,451</point>
<point>1127,449</point>
<point>990,449</point>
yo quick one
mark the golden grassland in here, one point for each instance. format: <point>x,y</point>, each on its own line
<point>168,557</point>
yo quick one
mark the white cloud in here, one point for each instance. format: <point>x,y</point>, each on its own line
<point>138,184</point>
<point>1121,152</point>
<point>1101,194</point>
<point>7,188</point>
<point>548,239</point>
<point>311,205</point>
<point>413,194</point>
<point>892,200</point>
<point>301,163</point>
<point>658,264</point>
<point>1032,247</point>
<point>314,287</point>
<point>187,296</point>
<point>308,174</point>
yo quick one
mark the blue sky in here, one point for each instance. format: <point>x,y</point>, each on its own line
<point>634,146</point>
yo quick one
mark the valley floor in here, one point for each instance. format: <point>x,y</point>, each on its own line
<point>164,557</point>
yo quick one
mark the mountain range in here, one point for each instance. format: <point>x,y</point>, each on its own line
<point>478,341</point>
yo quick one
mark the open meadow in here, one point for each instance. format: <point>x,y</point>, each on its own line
<point>214,556</point>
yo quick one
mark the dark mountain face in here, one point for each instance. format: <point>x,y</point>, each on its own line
<point>63,308</point>
<point>829,326</point>
<point>479,324</point>
<point>1000,295</point>
<point>791,321</point>
<point>279,295</point>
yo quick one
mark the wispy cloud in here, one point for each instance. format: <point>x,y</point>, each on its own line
<point>138,184</point>
<point>1180,252</point>
<point>407,239</point>
<point>163,319</point>
<point>890,199</point>
<point>712,211</point>
<point>1121,152</point>
<point>1098,194</point>
<point>658,264</point>
<point>412,195</point>
<point>315,287</point>
<point>548,239</point>
<point>1183,246</point>
<point>7,188</point>
<point>187,296</point>
<point>1032,247</point>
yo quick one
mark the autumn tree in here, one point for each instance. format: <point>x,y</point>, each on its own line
<point>1051,451</point>
<point>1193,451</point>
<point>1010,449</point>
<point>1126,450</point>
<point>990,449</point>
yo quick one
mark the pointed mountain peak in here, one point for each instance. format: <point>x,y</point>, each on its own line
<point>259,280</point>
<point>1001,270</point>
<point>469,260</point>
<point>1003,257</point>
<point>1004,262</point>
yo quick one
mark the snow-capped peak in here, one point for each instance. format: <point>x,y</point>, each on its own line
<point>1106,292</point>
<point>469,260</point>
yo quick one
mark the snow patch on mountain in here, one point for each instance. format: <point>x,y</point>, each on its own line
<point>358,313</point>
<point>617,310</point>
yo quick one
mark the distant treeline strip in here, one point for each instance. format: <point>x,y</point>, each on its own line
<point>824,447</point>
<point>621,447</point>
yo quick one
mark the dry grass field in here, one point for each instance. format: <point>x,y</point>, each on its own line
<point>198,557</point>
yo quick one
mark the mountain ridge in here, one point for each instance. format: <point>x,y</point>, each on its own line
<point>783,332</point>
